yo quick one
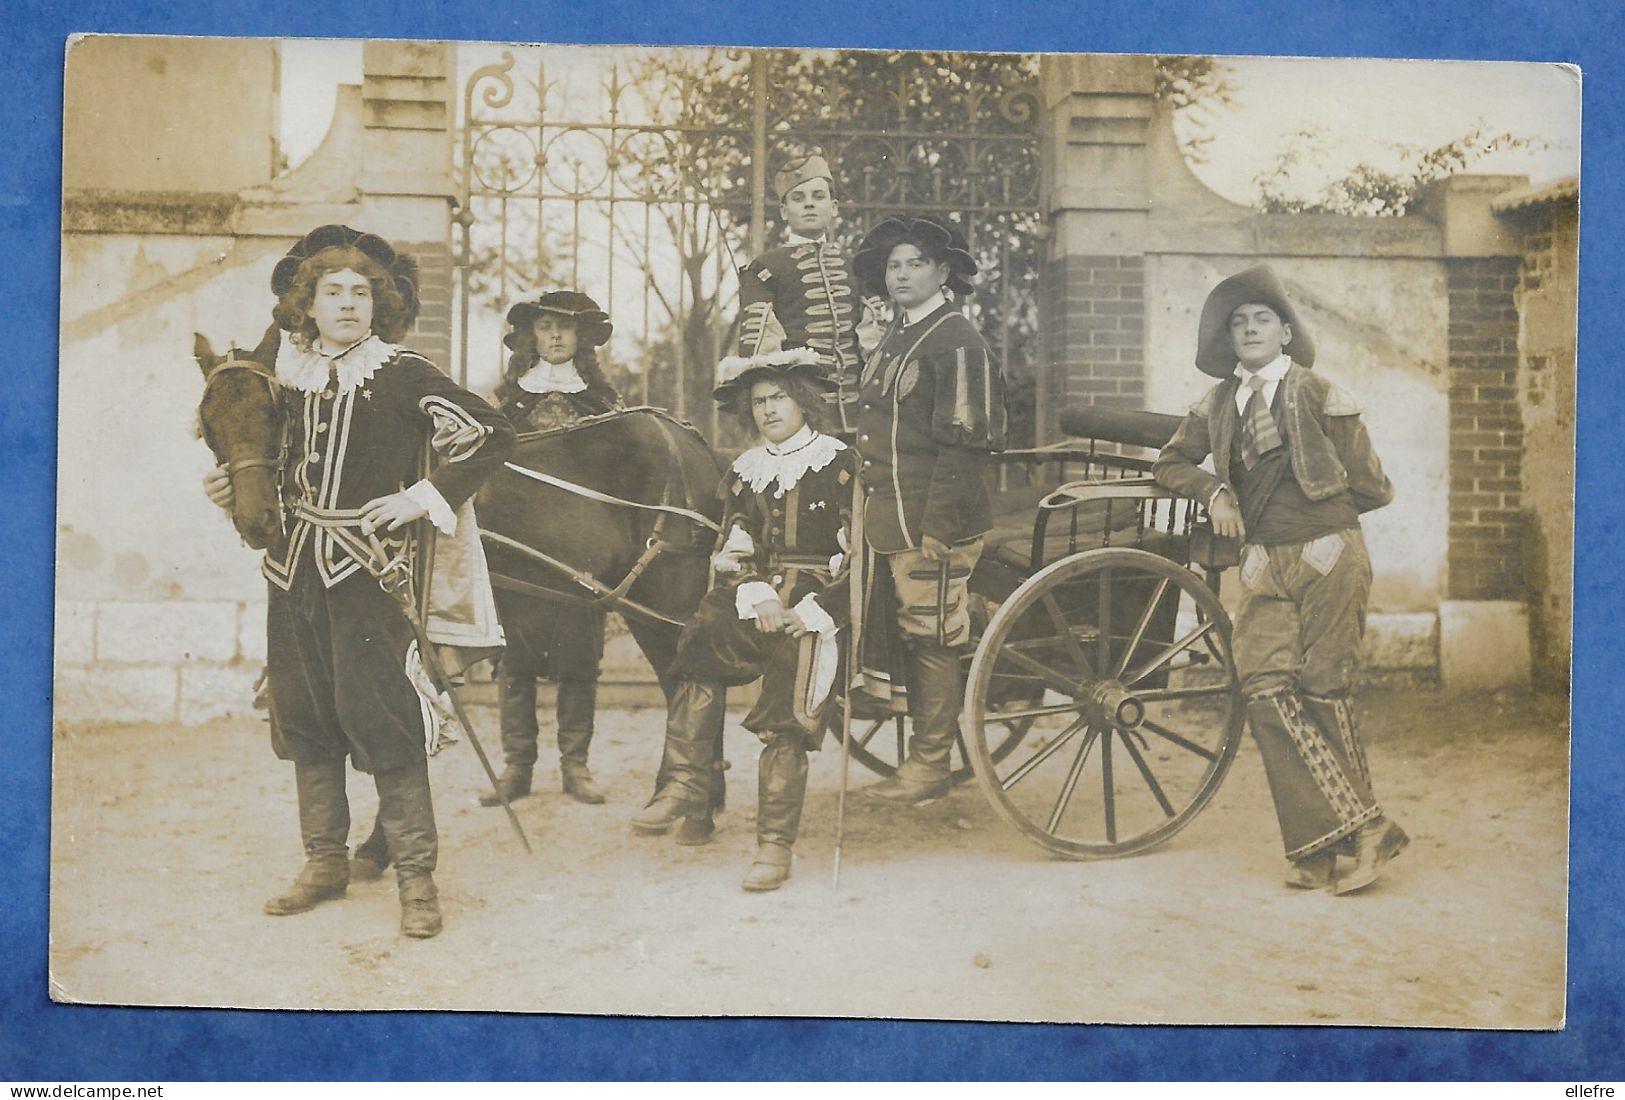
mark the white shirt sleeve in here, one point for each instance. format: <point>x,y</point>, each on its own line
<point>812,613</point>
<point>427,497</point>
<point>751,593</point>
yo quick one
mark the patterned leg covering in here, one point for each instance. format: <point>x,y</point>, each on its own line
<point>1320,794</point>
<point>1335,715</point>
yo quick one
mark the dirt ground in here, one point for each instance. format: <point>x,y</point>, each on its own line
<point>167,840</point>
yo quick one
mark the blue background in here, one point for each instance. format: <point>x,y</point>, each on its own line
<point>40,1040</point>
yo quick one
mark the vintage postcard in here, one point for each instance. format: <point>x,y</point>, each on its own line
<point>697,532</point>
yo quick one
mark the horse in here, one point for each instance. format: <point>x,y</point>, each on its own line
<point>618,510</point>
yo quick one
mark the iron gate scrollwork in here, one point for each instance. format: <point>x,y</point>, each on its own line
<point>640,176</point>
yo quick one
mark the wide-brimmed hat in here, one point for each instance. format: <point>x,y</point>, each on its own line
<point>402,268</point>
<point>798,171</point>
<point>593,328</point>
<point>869,265</point>
<point>739,372</point>
<point>1214,353</point>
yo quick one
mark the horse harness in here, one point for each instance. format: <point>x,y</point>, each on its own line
<point>667,512</point>
<point>236,361</point>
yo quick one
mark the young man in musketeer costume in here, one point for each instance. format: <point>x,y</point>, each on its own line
<point>773,612</point>
<point>801,294</point>
<point>931,416</point>
<point>552,381</point>
<point>1293,470</point>
<point>363,420</point>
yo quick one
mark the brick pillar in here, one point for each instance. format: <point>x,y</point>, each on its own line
<point>1096,152</point>
<point>1486,431</point>
<point>406,181</point>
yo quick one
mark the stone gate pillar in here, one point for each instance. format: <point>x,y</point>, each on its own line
<point>1097,202</point>
<point>405,177</point>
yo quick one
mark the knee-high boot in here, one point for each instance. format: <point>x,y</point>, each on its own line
<point>694,719</point>
<point>781,791</point>
<point>324,827</point>
<point>516,694</point>
<point>576,708</point>
<point>936,693</point>
<point>406,812</point>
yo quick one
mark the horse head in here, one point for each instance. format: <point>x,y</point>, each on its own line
<point>241,421</point>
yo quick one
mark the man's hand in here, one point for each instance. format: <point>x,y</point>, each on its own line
<point>934,548</point>
<point>390,513</point>
<point>771,617</point>
<point>1226,515</point>
<point>217,484</point>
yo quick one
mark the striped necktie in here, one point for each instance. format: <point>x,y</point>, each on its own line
<point>1259,435</point>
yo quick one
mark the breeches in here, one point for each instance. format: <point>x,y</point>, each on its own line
<point>933,598</point>
<point>1302,615</point>
<point>718,647</point>
<point>338,663</point>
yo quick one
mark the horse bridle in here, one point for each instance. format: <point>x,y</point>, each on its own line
<point>236,362</point>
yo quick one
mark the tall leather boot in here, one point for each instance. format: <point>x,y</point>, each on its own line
<point>936,693</point>
<point>781,791</point>
<point>694,719</point>
<point>324,826</point>
<point>516,693</point>
<point>406,811</point>
<point>577,705</point>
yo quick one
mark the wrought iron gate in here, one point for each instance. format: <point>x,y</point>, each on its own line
<point>640,177</point>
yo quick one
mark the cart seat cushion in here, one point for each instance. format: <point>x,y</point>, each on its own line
<point>1011,540</point>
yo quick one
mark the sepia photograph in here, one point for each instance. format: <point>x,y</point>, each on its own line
<point>711,532</point>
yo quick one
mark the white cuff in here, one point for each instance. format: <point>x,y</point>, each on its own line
<point>427,497</point>
<point>751,593</point>
<point>1215,497</point>
<point>813,616</point>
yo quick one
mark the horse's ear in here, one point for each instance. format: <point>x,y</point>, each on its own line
<point>265,354</point>
<point>203,352</point>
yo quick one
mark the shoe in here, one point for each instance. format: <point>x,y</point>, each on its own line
<point>1313,872</point>
<point>420,908</point>
<point>305,895</point>
<point>660,815</point>
<point>770,871</point>
<point>578,785</point>
<point>695,831</point>
<point>514,782</point>
<point>369,863</point>
<point>1374,846</point>
<point>909,792</point>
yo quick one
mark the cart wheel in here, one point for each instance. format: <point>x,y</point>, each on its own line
<point>1137,722</point>
<point>880,738</point>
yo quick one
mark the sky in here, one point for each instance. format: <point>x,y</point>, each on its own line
<point>1418,103</point>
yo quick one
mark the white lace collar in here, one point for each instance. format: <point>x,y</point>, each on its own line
<point>309,369</point>
<point>547,377</point>
<point>786,462</point>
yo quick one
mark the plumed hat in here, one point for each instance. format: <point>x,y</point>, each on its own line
<point>739,372</point>
<point>869,265</point>
<point>1214,354</point>
<point>798,171</point>
<point>402,268</point>
<point>593,328</point>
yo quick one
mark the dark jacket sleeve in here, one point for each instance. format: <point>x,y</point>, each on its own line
<point>470,439</point>
<point>836,596</point>
<point>1178,466</point>
<point>968,425</point>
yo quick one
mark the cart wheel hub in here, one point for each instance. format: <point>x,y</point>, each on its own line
<point>1118,705</point>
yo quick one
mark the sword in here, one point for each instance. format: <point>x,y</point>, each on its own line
<point>396,580</point>
<point>856,556</point>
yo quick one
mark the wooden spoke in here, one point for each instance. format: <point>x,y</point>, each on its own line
<point>1085,672</point>
<point>1130,679</point>
<point>1145,773</point>
<point>1140,628</point>
<point>1051,677</point>
<point>1183,742</point>
<point>902,739</point>
<point>1105,641</point>
<point>1042,755</point>
<point>1108,794</point>
<point>874,728</point>
<point>1168,695</point>
<point>1035,712</point>
<point>1071,784</point>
